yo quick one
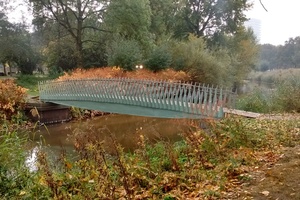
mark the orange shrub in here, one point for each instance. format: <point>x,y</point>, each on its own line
<point>12,98</point>
<point>113,72</point>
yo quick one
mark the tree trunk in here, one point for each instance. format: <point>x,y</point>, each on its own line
<point>4,69</point>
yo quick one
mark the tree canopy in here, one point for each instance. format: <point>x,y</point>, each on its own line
<point>281,56</point>
<point>92,33</point>
<point>15,43</point>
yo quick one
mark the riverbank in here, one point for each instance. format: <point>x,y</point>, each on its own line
<point>219,162</point>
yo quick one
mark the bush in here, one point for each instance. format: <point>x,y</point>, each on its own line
<point>14,174</point>
<point>202,64</point>
<point>12,99</point>
<point>55,72</point>
<point>288,95</point>
<point>255,101</point>
<point>125,54</point>
<point>159,59</point>
<point>284,98</point>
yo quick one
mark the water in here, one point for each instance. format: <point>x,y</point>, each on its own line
<point>125,128</point>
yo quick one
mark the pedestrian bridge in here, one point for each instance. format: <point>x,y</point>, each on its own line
<point>151,98</point>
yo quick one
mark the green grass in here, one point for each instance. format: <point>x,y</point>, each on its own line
<point>30,82</point>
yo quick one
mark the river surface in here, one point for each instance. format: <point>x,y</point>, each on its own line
<point>125,128</point>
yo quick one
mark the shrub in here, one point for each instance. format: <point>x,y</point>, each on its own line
<point>125,54</point>
<point>288,95</point>
<point>159,59</point>
<point>12,98</point>
<point>202,64</point>
<point>255,101</point>
<point>15,176</point>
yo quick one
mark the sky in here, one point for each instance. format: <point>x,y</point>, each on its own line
<point>280,23</point>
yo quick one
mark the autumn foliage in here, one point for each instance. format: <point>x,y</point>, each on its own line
<point>116,72</point>
<point>12,98</point>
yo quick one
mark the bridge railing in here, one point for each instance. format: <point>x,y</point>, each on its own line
<point>190,98</point>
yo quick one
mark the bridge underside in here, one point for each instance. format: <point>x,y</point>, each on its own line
<point>135,110</point>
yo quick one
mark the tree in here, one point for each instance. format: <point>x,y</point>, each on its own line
<point>290,53</point>
<point>206,17</point>
<point>74,19</point>
<point>130,20</point>
<point>243,51</point>
<point>163,18</point>
<point>15,41</point>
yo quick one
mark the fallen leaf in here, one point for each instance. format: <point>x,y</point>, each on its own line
<point>266,193</point>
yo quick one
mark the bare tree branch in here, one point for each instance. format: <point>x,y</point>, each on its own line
<point>263,6</point>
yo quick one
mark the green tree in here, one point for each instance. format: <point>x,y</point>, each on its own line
<point>243,51</point>
<point>16,45</point>
<point>125,54</point>
<point>206,17</point>
<point>131,20</point>
<point>163,19</point>
<point>71,18</point>
<point>203,64</point>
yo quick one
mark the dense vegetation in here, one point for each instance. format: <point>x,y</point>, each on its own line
<point>280,57</point>
<point>208,41</point>
<point>276,91</point>
<point>206,164</point>
<point>188,40</point>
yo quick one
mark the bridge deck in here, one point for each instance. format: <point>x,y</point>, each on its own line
<point>139,97</point>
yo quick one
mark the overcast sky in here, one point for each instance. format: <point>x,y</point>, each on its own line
<point>280,23</point>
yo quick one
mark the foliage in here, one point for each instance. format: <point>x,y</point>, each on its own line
<point>130,19</point>
<point>199,62</point>
<point>283,98</point>
<point>18,47</point>
<point>72,19</point>
<point>113,72</point>
<point>274,76</point>
<point>205,164</point>
<point>257,100</point>
<point>125,54</point>
<point>203,18</point>
<point>162,19</point>
<point>12,99</point>
<point>15,177</point>
<point>55,72</point>
<point>60,55</point>
<point>288,94</point>
<point>242,51</point>
<point>285,56</point>
<point>30,82</point>
<point>159,59</point>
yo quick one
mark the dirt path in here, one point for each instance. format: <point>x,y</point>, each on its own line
<point>280,181</point>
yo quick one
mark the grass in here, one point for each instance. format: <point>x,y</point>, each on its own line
<point>274,76</point>
<point>30,82</point>
<point>283,97</point>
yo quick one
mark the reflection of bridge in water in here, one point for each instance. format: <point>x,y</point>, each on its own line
<point>139,97</point>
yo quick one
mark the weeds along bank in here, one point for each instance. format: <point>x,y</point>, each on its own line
<point>285,97</point>
<point>205,164</point>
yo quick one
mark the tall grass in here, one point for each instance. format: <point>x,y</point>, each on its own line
<point>274,76</point>
<point>285,97</point>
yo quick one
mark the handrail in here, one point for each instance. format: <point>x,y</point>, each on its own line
<point>190,98</point>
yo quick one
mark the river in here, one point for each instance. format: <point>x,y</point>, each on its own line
<point>125,128</point>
